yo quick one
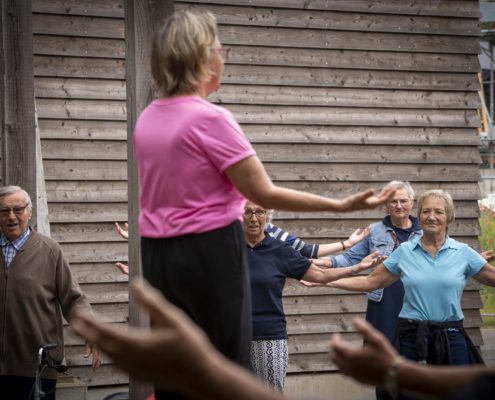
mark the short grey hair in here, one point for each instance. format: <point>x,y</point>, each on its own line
<point>440,194</point>
<point>11,189</point>
<point>400,185</point>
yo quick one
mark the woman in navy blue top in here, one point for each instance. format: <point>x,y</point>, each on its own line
<point>270,263</point>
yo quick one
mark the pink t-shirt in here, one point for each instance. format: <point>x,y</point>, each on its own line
<point>183,146</point>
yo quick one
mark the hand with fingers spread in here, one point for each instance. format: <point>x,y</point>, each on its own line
<point>366,200</point>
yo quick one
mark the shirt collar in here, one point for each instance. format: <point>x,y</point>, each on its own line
<point>17,243</point>
<point>448,244</point>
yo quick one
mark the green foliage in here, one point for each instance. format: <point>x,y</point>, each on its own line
<point>487,242</point>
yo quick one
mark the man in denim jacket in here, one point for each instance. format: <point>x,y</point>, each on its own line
<point>398,226</point>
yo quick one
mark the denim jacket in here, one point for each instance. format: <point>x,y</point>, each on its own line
<point>382,239</point>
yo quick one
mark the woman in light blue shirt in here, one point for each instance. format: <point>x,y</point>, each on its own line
<point>434,269</point>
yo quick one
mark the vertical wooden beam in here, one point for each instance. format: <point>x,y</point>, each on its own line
<point>17,98</point>
<point>141,19</point>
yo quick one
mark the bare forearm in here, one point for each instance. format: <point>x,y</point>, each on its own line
<point>224,380</point>
<point>354,284</point>
<point>329,248</point>
<point>285,199</point>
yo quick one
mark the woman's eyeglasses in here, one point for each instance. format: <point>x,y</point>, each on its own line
<point>249,213</point>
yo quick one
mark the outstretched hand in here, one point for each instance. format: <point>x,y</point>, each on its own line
<point>366,200</point>
<point>124,232</point>
<point>172,354</point>
<point>356,236</point>
<point>488,255</point>
<point>368,363</point>
<point>371,261</point>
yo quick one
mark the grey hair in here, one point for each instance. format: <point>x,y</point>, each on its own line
<point>398,185</point>
<point>8,190</point>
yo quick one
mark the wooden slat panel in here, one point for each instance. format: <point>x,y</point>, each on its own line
<point>317,153</point>
<point>84,149</point>
<point>277,133</point>
<point>361,172</point>
<point>105,375</point>
<point>97,272</point>
<point>317,343</point>
<point>82,109</point>
<point>78,26</point>
<point>101,192</point>
<point>321,153</point>
<point>311,38</point>
<point>79,67</point>
<point>95,252</point>
<point>87,212</point>
<point>305,305</point>
<point>81,129</point>
<point>331,77</point>
<point>85,231</point>
<point>350,116</point>
<point>345,21</point>
<point>334,97</point>
<point>78,46</point>
<point>82,88</point>
<point>456,8</point>
<point>351,59</point>
<point>117,292</point>
<point>85,170</point>
<point>107,8</point>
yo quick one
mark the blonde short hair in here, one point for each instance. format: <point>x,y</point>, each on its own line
<point>441,194</point>
<point>181,50</point>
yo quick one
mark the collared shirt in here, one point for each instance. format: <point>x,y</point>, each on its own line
<point>10,249</point>
<point>270,263</point>
<point>434,285</point>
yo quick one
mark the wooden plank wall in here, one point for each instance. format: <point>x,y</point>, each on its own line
<point>79,52</point>
<point>336,97</point>
<point>340,96</point>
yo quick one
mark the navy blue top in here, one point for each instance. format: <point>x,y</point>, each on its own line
<point>270,263</point>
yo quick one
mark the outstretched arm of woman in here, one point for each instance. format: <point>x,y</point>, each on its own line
<point>379,278</point>
<point>318,275</point>
<point>250,178</point>
<point>487,275</point>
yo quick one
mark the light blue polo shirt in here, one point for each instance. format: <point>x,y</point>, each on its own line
<point>433,285</point>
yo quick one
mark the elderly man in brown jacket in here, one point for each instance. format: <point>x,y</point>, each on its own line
<point>36,289</point>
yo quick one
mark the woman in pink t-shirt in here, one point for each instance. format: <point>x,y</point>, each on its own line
<point>196,168</point>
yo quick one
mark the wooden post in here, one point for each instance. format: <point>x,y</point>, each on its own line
<point>141,19</point>
<point>17,114</point>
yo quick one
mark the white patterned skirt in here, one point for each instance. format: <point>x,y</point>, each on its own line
<point>269,361</point>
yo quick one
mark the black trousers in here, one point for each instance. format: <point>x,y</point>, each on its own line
<point>207,276</point>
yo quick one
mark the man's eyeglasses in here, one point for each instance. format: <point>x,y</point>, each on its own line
<point>5,212</point>
<point>259,213</point>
